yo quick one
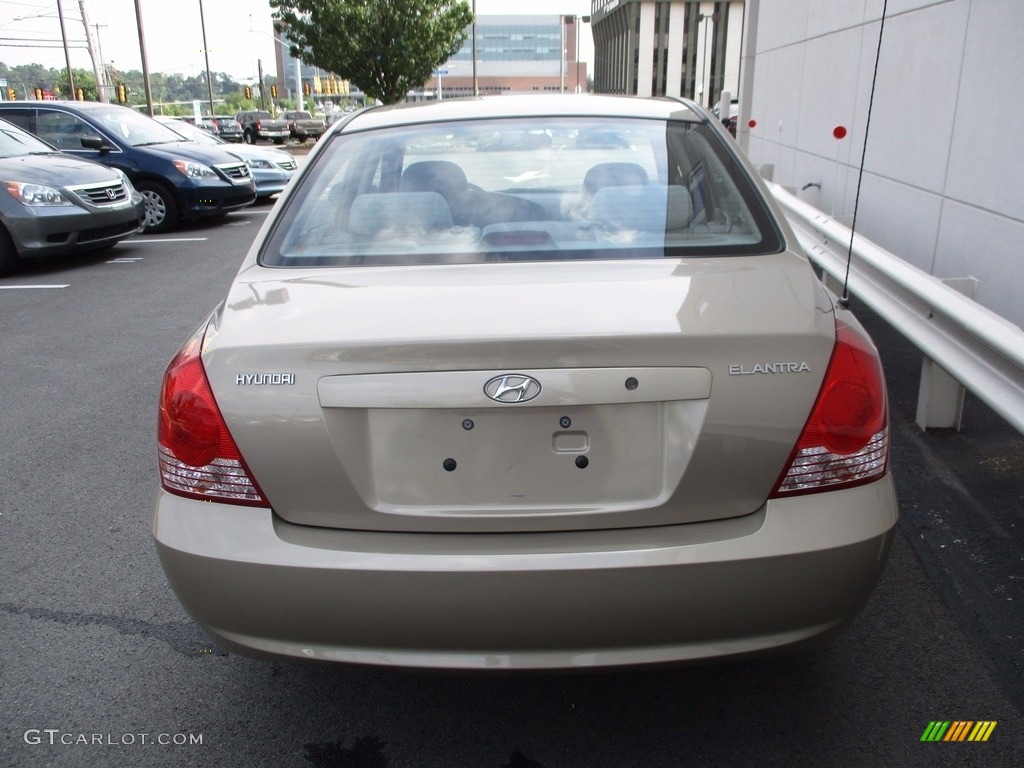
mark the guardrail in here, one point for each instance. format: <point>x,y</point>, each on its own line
<point>976,347</point>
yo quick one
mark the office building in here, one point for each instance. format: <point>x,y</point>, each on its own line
<point>667,48</point>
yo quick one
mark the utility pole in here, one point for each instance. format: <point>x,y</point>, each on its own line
<point>104,95</point>
<point>476,82</point>
<point>97,61</point>
<point>67,53</point>
<point>145,60</point>
<point>206,53</point>
<point>263,101</point>
<point>561,56</point>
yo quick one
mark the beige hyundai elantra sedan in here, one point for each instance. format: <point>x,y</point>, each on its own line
<point>524,383</point>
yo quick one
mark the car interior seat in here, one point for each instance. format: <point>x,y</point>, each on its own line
<point>446,179</point>
<point>613,175</point>
<point>398,214</point>
<point>642,208</point>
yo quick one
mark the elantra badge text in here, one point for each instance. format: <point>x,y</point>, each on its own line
<point>742,370</point>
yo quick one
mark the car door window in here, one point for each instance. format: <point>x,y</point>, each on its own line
<point>20,117</point>
<point>62,130</point>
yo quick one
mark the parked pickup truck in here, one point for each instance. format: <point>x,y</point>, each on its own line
<point>302,125</point>
<point>259,125</point>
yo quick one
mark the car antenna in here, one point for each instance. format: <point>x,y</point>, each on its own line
<point>844,300</point>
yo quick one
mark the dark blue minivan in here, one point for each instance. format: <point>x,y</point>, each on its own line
<point>178,180</point>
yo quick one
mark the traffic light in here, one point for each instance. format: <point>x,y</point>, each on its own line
<point>38,93</point>
<point>273,91</point>
<point>248,93</point>
<point>79,94</point>
<point>12,94</point>
<point>122,93</point>
<point>305,89</point>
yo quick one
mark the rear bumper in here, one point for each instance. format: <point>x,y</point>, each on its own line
<point>792,571</point>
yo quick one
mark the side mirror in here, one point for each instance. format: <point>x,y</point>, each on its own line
<point>95,142</point>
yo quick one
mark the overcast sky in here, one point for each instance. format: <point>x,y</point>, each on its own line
<point>173,35</point>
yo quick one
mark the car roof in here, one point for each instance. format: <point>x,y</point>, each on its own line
<point>553,105</point>
<point>84,106</point>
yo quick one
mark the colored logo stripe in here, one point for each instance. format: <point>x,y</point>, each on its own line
<point>982,730</point>
<point>959,730</point>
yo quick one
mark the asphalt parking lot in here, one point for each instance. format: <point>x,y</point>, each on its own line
<point>961,501</point>
<point>101,667</point>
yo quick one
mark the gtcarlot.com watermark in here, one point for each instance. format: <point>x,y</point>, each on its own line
<point>57,737</point>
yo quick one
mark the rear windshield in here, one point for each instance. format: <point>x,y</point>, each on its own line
<point>506,190</point>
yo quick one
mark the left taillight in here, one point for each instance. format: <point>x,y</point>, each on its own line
<point>198,457</point>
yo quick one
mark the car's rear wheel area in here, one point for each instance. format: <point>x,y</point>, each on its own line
<point>162,212</point>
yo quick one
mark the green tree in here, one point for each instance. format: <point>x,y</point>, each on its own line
<point>83,79</point>
<point>234,102</point>
<point>386,47</point>
<point>24,78</point>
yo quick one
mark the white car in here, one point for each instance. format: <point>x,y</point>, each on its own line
<point>271,169</point>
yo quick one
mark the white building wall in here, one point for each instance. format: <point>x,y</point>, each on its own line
<point>676,49</point>
<point>645,65</point>
<point>734,36</point>
<point>944,170</point>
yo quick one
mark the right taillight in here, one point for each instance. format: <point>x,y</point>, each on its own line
<point>846,439</point>
<point>198,457</point>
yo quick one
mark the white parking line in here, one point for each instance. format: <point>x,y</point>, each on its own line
<point>125,260</point>
<point>31,287</point>
<point>245,217</point>
<point>140,241</point>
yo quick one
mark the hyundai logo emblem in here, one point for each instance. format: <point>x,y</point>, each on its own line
<point>512,388</point>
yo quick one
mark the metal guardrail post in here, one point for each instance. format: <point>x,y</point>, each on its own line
<point>940,397</point>
<point>979,349</point>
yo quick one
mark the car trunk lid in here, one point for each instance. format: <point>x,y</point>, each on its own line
<point>531,397</point>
